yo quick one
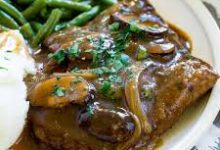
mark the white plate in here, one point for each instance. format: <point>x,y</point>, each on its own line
<point>195,19</point>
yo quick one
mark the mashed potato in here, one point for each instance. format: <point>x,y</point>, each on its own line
<point>15,64</point>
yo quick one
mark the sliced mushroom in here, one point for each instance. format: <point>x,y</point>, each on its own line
<point>130,14</point>
<point>161,47</point>
<point>60,91</point>
<point>111,125</point>
<point>149,27</point>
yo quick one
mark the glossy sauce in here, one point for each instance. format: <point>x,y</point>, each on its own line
<point>27,141</point>
<point>73,128</point>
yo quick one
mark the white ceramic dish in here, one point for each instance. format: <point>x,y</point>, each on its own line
<point>194,18</point>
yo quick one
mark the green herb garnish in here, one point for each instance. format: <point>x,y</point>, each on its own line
<point>134,28</point>
<point>58,78</point>
<point>189,56</point>
<point>114,27</point>
<point>115,79</point>
<point>147,94</point>
<point>58,91</point>
<point>100,52</point>
<point>75,69</point>
<point>77,80</point>
<point>106,87</point>
<point>98,71</point>
<point>90,109</point>
<point>142,53</point>
<point>58,56</point>
<point>121,39</point>
<point>130,73</point>
<point>73,51</point>
<point>116,66</point>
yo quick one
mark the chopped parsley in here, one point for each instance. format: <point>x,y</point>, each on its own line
<point>113,65</point>
<point>125,59</point>
<point>115,79</point>
<point>134,28</point>
<point>90,109</point>
<point>121,39</point>
<point>130,73</point>
<point>77,80</point>
<point>114,27</point>
<point>58,56</point>
<point>75,69</point>
<point>58,78</point>
<point>99,71</point>
<point>189,56</point>
<point>58,91</point>
<point>106,87</point>
<point>147,94</point>
<point>73,51</point>
<point>133,25</point>
<point>108,83</point>
<point>142,53</point>
<point>116,66</point>
<point>100,51</point>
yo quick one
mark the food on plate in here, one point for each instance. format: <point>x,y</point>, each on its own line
<point>118,82</point>
<point>37,19</point>
<point>15,64</point>
<point>66,90</point>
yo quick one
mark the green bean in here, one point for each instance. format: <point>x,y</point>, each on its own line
<point>8,1</point>
<point>48,27</point>
<point>27,31</point>
<point>69,5</point>
<point>3,28</point>
<point>76,0</point>
<point>7,21</point>
<point>109,2</point>
<point>34,9</point>
<point>36,26</point>
<point>80,19</point>
<point>67,14</point>
<point>86,2</point>
<point>25,1</point>
<point>12,11</point>
<point>45,13</point>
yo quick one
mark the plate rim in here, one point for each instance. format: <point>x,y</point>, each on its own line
<point>207,117</point>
